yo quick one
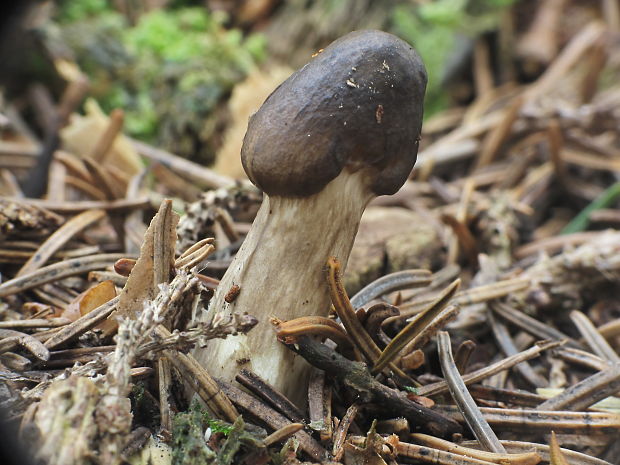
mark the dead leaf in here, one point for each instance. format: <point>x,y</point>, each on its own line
<point>154,264</point>
<point>89,300</point>
<point>370,453</point>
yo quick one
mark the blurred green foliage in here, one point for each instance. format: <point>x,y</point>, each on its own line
<point>435,30</point>
<point>71,11</point>
<point>168,72</point>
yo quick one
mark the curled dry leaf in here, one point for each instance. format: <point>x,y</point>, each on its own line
<point>90,300</point>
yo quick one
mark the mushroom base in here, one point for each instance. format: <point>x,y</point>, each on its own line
<point>280,271</point>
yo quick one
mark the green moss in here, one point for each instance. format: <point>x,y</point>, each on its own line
<point>188,443</point>
<point>435,28</point>
<point>77,11</point>
<point>190,448</point>
<point>168,73</point>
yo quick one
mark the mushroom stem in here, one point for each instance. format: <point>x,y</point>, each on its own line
<point>280,272</point>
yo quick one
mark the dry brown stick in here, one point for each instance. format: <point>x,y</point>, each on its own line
<point>11,339</point>
<point>112,188</point>
<point>444,154</point>
<point>556,141</point>
<point>188,169</point>
<point>462,239</point>
<point>573,457</point>
<point>59,238</point>
<point>481,429</point>
<point>35,323</point>
<point>100,276</point>
<point>82,324</point>
<point>164,234</point>
<point>461,235</point>
<point>532,325</point>
<point>196,256</point>
<point>570,55</point>
<point>499,134</point>
<point>104,181</point>
<point>175,184</point>
<point>555,244</point>
<point>14,256</point>
<point>275,399</point>
<point>483,74</point>
<point>438,323</point>
<point>375,316</point>
<point>610,330</point>
<point>319,404</point>
<point>72,96</point>
<point>312,326</point>
<point>58,271</point>
<point>458,144</point>
<point>356,376</point>
<point>528,458</point>
<point>342,305</point>
<point>227,224</point>
<point>597,343</point>
<point>81,205</point>
<point>542,421</point>
<point>106,140</point>
<point>581,357</point>
<point>340,434</point>
<point>474,295</point>
<point>415,328</point>
<point>134,227</point>
<point>540,42</point>
<point>283,433</point>
<point>422,454</point>
<point>463,354</point>
<point>534,185</point>
<point>315,395</point>
<point>596,64</point>
<point>586,392</point>
<point>9,179</point>
<point>517,398</point>
<point>68,357</point>
<point>272,418</point>
<point>591,161</point>
<point>164,378</point>
<point>483,373</point>
<point>392,282</point>
<point>87,188</point>
<point>611,13</point>
<point>199,380</point>
<point>74,165</point>
<point>605,215</point>
<point>508,347</point>
<point>56,182</point>
<point>439,280</point>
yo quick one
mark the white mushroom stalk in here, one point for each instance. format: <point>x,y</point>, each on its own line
<point>333,136</point>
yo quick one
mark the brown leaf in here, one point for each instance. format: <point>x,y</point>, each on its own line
<point>154,264</point>
<point>367,455</point>
<point>425,401</point>
<point>89,300</point>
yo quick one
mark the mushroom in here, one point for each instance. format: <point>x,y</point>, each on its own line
<point>337,133</point>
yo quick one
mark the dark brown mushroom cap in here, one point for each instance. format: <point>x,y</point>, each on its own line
<point>357,105</point>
